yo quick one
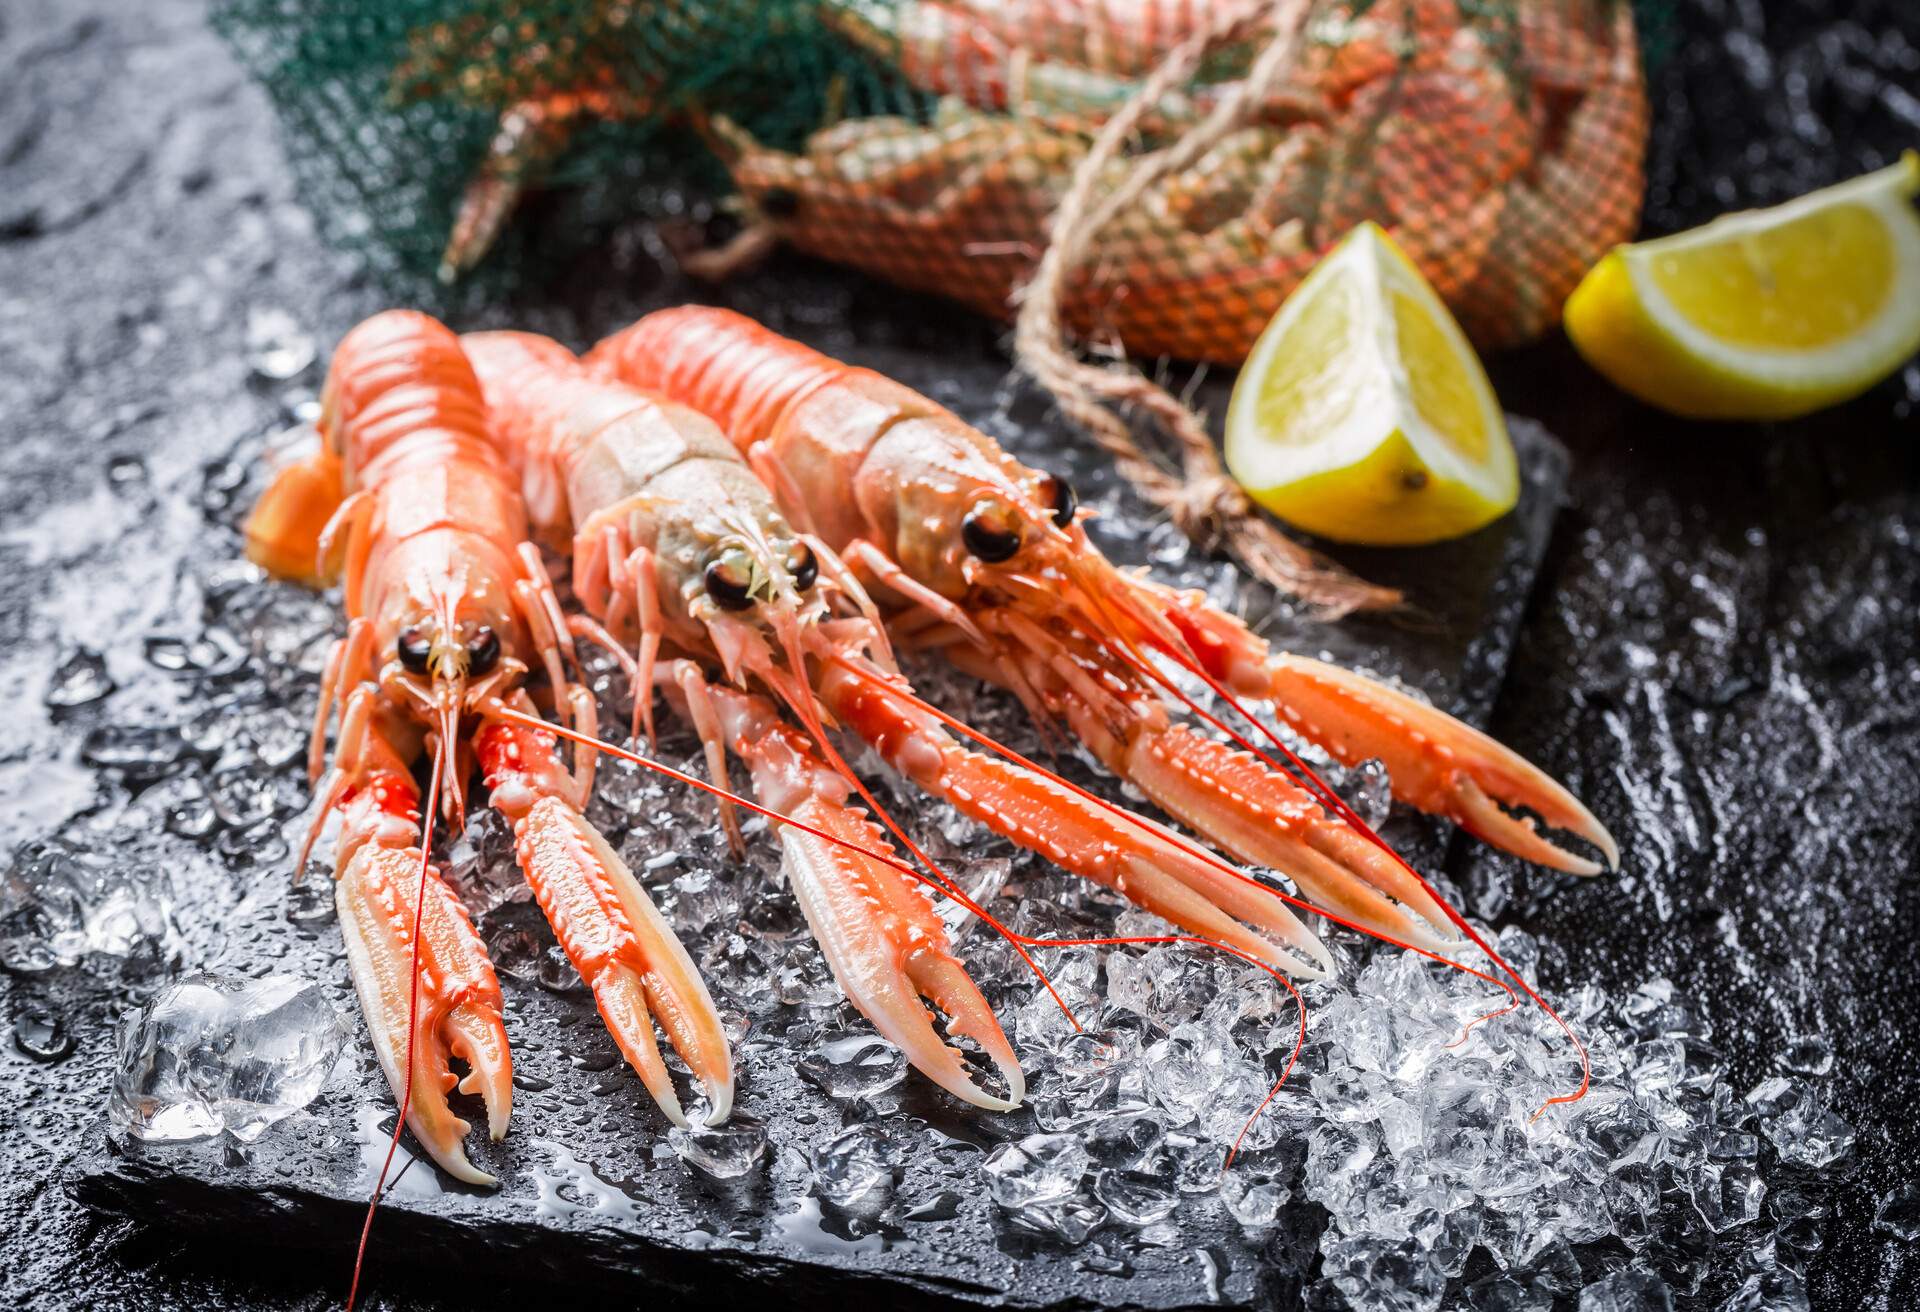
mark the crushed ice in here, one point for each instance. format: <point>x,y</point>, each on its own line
<point>1404,1155</point>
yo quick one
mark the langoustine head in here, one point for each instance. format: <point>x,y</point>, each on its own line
<point>424,541</point>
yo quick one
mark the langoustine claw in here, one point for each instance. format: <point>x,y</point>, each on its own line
<point>456,1014</point>
<point>615,937</point>
<point>1437,764</point>
<point>886,946</point>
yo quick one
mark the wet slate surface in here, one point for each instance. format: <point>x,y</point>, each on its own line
<point>1722,654</point>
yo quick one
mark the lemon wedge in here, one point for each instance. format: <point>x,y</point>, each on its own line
<point>1363,415</point>
<point>1766,314</point>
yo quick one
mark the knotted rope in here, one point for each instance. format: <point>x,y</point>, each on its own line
<point>1200,498</point>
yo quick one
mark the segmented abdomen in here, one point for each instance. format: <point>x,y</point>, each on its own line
<point>405,413</point>
<point>401,396</point>
<point>729,368</point>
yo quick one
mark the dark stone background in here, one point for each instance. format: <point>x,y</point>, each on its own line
<point>1723,654</point>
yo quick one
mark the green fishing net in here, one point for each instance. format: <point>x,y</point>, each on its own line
<point>929,142</point>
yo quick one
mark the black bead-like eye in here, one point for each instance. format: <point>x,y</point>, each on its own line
<point>990,533</point>
<point>1061,499</point>
<point>483,651</point>
<point>779,202</point>
<point>802,567</point>
<point>413,650</point>
<point>729,581</point>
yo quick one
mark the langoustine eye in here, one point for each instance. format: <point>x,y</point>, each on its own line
<point>802,567</point>
<point>1060,499</point>
<point>729,580</point>
<point>483,651</point>
<point>414,650</point>
<point>990,532</point>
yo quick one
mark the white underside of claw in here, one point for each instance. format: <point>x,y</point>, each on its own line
<point>374,898</point>
<point>886,954</point>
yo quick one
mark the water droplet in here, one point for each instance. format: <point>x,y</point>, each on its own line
<point>81,677</point>
<point>854,1065</point>
<point>144,751</point>
<point>42,1036</point>
<point>277,346</point>
<point>310,902</point>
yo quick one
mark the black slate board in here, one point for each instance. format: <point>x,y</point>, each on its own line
<point>592,1193</point>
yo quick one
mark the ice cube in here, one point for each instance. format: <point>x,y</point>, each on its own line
<point>1340,1160</point>
<point>212,1054</point>
<point>981,880</point>
<point>1899,1213</point>
<point>1038,1169</point>
<point>1092,1055</point>
<point>1185,1068</point>
<point>853,1065</point>
<point>61,905</point>
<point>1129,983</point>
<point>1069,1220</point>
<point>1192,1164</point>
<point>724,1152</point>
<point>698,899</point>
<point>1383,1274</point>
<point>481,867</point>
<point>1777,1290</point>
<point>1369,791</point>
<point>1508,1293</point>
<point>1253,1197</point>
<point>1732,1145</point>
<point>1135,1197</point>
<point>1184,984</point>
<point>1728,1196</point>
<point>803,980</point>
<point>1808,1055</point>
<point>855,1166</point>
<point>1126,1141</point>
<point>1347,1094</point>
<point>1240,1115</point>
<point>1800,1125</point>
<point>1629,1290</point>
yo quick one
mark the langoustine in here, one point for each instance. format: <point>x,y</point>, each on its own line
<point>448,610</point>
<point>676,545</point>
<point>989,561</point>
